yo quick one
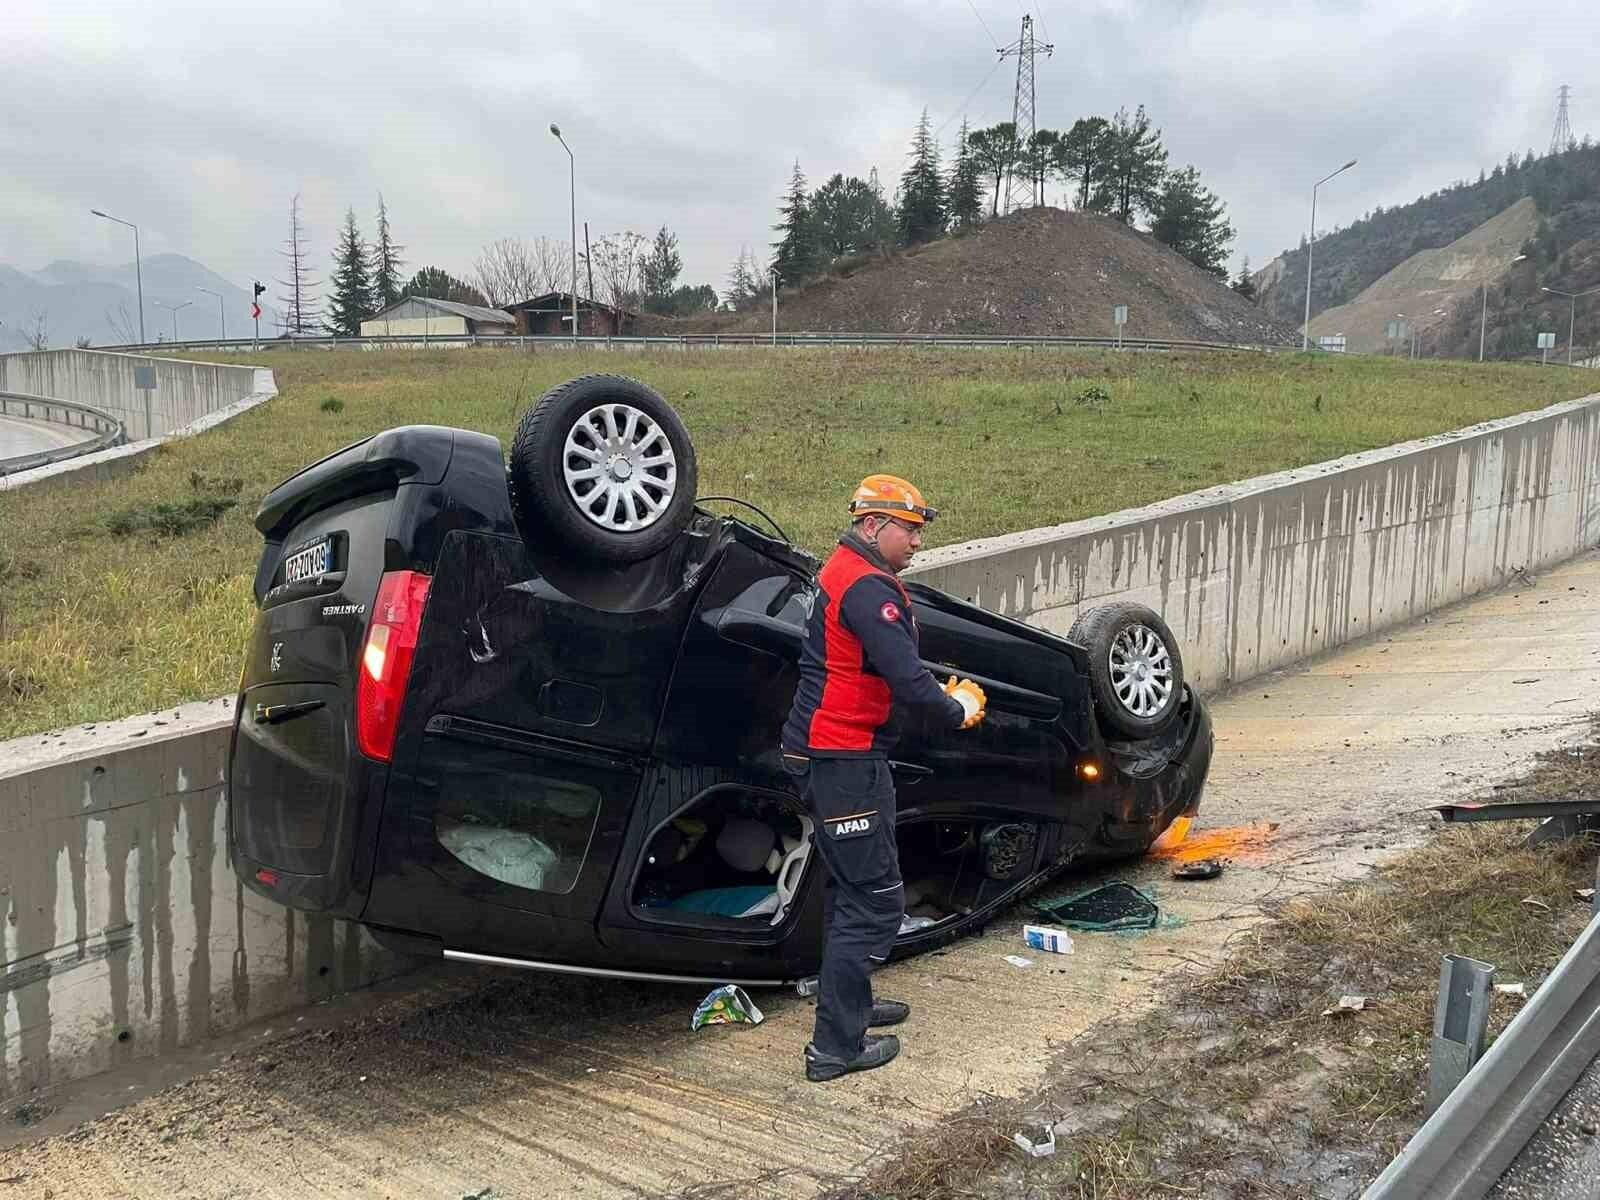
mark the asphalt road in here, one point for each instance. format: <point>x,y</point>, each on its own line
<point>1562,1160</point>
<point>533,1086</point>
<point>18,436</point>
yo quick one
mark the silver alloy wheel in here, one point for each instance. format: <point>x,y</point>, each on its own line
<point>1141,670</point>
<point>620,468</point>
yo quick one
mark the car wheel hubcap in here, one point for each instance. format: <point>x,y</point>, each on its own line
<point>1141,670</point>
<point>620,468</point>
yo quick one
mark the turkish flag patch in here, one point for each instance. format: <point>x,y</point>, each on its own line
<point>890,611</point>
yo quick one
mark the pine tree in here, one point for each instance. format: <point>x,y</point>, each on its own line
<point>1081,154</point>
<point>352,282</point>
<point>884,223</point>
<point>1245,285</point>
<point>1136,166</point>
<point>1189,218</point>
<point>995,150</point>
<point>922,199</point>
<point>965,187</point>
<point>298,312</point>
<point>659,271</point>
<point>796,252</point>
<point>844,218</point>
<point>438,284</point>
<point>386,262</point>
<point>744,281</point>
<point>1040,157</point>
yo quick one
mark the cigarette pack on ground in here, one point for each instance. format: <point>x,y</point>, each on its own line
<point>1043,937</point>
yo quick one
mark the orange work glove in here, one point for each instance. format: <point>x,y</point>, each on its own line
<point>971,698</point>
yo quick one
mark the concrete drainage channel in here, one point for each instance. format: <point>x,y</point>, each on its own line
<point>121,915</point>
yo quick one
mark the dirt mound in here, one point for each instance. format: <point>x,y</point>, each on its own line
<point>1042,271</point>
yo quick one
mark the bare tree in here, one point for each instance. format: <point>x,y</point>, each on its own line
<point>300,313</point>
<point>508,271</point>
<point>37,333</point>
<point>617,259</point>
<point>121,323</point>
<point>553,263</point>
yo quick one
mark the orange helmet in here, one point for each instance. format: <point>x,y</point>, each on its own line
<point>890,496</point>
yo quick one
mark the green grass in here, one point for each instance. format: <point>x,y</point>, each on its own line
<point>96,624</point>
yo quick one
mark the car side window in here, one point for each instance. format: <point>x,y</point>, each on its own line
<point>502,815</point>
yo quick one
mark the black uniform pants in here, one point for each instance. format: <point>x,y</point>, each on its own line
<point>852,803</point>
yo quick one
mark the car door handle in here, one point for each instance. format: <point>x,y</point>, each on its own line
<point>759,632</point>
<point>271,714</point>
<point>1003,697</point>
<point>910,774</point>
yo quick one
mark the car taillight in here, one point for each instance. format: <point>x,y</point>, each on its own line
<point>386,660</point>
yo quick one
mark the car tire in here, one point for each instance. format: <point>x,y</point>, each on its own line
<point>1135,669</point>
<point>604,466</point>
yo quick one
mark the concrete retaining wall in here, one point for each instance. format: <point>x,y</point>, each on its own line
<point>121,460</point>
<point>1260,573</point>
<point>185,391</point>
<point>123,932</point>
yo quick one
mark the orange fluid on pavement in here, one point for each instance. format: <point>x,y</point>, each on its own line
<point>1235,842</point>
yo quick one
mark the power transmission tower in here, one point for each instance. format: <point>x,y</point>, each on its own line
<point>1019,184</point>
<point>1561,139</point>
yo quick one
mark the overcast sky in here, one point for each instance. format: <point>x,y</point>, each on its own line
<point>199,120</point>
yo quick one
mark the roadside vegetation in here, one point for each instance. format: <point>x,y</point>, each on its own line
<point>1238,1083</point>
<point>128,595</point>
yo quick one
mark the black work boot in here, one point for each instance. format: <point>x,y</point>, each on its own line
<point>888,1012</point>
<point>875,1052</point>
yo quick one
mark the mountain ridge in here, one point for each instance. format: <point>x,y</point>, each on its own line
<point>99,302</point>
<point>1563,253</point>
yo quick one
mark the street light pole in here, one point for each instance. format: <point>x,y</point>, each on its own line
<point>1572,312</point>
<point>572,196</point>
<point>221,312</point>
<point>138,271</point>
<point>1305,329</point>
<point>1483,321</point>
<point>174,309</point>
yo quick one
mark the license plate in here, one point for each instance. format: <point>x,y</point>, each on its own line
<point>308,563</point>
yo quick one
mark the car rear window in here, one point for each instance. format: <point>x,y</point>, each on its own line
<point>502,815</point>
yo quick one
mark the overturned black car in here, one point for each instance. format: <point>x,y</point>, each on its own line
<point>529,715</point>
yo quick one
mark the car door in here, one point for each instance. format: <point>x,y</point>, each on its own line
<point>1021,762</point>
<point>527,727</point>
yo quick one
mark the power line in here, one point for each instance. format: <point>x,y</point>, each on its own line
<point>995,41</point>
<point>963,108</point>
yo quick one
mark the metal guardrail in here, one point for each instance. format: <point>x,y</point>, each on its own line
<point>1475,1134</point>
<point>700,341</point>
<point>107,430</point>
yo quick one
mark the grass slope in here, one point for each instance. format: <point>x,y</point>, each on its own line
<point>129,595</point>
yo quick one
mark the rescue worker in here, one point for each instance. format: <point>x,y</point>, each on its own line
<point>859,661</point>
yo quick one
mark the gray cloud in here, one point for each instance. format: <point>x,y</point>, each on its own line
<point>200,121</point>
